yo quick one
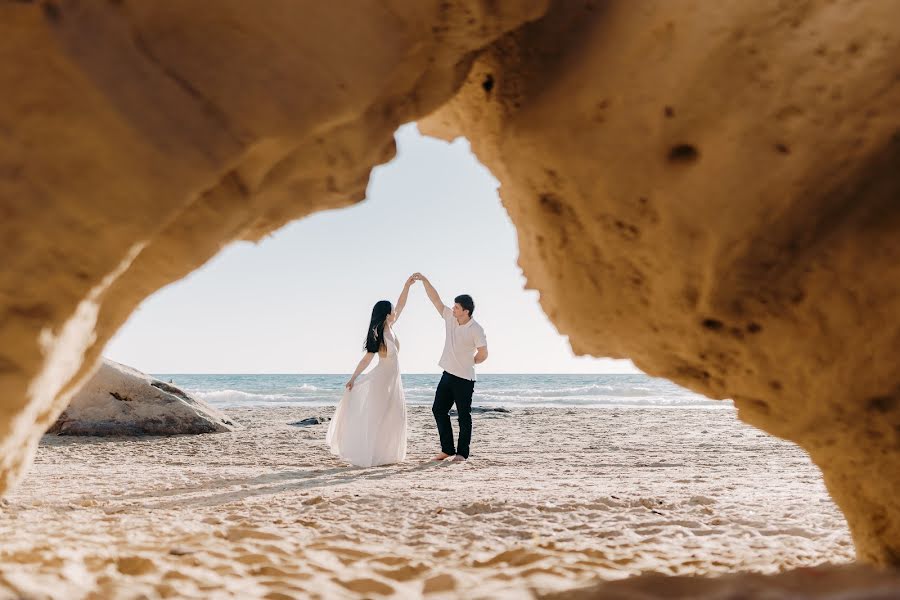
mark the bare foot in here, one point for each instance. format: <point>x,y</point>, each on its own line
<point>441,456</point>
<point>458,458</point>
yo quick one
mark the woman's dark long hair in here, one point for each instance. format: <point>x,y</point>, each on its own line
<point>375,336</point>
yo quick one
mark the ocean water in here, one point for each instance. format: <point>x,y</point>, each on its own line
<point>490,390</point>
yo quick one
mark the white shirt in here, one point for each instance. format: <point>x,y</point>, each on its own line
<point>459,346</point>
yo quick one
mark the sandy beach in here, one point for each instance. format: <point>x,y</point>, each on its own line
<point>552,499</point>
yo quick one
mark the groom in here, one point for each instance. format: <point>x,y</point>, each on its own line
<point>464,347</point>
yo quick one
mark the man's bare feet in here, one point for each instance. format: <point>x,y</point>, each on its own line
<point>458,458</point>
<point>441,456</point>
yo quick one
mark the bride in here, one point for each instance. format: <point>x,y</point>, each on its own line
<point>369,425</point>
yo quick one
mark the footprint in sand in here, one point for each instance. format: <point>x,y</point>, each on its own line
<point>166,590</point>
<point>254,559</point>
<point>135,565</point>
<point>391,561</point>
<point>593,553</point>
<point>365,585</point>
<point>541,572</point>
<point>273,549</point>
<point>283,588</point>
<point>278,573</point>
<point>235,534</point>
<point>345,555</point>
<point>405,573</point>
<point>175,575</point>
<point>515,558</point>
<point>439,583</point>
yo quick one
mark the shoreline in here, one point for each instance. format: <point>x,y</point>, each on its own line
<point>507,405</point>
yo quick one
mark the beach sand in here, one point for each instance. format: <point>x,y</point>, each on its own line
<point>552,499</point>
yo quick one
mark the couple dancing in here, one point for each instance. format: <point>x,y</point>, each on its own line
<point>369,425</point>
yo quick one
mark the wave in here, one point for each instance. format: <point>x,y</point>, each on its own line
<point>287,393</point>
<point>534,391</point>
<point>518,392</point>
<point>592,390</point>
<point>221,397</point>
<point>654,400</point>
<point>232,398</point>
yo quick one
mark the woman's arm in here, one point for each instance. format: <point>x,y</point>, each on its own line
<point>401,301</point>
<point>363,363</point>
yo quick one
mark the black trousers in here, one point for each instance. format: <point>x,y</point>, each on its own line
<point>454,390</point>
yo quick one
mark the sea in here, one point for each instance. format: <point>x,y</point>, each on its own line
<point>531,390</point>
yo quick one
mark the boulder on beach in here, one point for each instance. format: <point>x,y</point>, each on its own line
<point>119,400</point>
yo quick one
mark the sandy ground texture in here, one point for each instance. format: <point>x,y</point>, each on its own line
<point>551,500</point>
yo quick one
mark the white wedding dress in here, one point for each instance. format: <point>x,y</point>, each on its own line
<point>369,425</point>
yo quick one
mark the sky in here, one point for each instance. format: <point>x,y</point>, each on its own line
<point>300,300</point>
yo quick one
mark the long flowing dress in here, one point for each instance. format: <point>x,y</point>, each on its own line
<point>369,425</point>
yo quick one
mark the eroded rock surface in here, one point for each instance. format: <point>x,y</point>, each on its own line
<point>713,191</point>
<point>709,189</point>
<point>119,400</point>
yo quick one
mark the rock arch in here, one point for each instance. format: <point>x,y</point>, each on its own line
<point>712,190</point>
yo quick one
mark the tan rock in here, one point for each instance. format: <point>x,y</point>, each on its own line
<point>119,400</point>
<point>715,194</point>
<point>826,582</point>
<point>710,189</point>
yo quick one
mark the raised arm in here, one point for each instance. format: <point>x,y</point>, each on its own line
<point>432,293</point>
<point>401,301</point>
<point>363,363</point>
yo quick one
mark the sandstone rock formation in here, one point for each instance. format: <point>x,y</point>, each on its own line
<point>820,583</point>
<point>711,189</point>
<point>119,400</point>
<point>715,194</point>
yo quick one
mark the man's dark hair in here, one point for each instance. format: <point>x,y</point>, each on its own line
<point>466,302</point>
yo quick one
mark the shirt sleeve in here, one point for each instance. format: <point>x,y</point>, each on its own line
<point>448,313</point>
<point>480,338</point>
